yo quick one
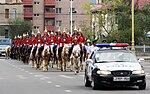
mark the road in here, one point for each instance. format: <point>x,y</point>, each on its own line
<point>17,78</point>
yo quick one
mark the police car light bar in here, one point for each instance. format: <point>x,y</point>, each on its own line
<point>112,45</point>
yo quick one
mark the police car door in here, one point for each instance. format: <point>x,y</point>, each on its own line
<point>90,65</point>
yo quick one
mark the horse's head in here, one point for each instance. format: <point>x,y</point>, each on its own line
<point>76,51</point>
<point>46,51</point>
<point>66,49</point>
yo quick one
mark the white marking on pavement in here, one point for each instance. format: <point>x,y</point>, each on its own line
<point>57,85</point>
<point>38,75</point>
<point>43,78</point>
<point>68,91</point>
<point>49,82</point>
<point>21,77</point>
<point>26,71</point>
<point>66,76</point>
<point>30,73</point>
<point>22,69</point>
<point>19,68</point>
<point>1,78</point>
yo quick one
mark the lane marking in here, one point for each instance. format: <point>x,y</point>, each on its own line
<point>57,85</point>
<point>38,75</point>
<point>49,82</point>
<point>43,78</point>
<point>26,71</point>
<point>30,73</point>
<point>66,76</point>
<point>68,91</point>
<point>22,69</point>
<point>21,77</point>
<point>1,78</point>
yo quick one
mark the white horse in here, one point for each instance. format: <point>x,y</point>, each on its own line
<point>75,58</point>
<point>7,52</point>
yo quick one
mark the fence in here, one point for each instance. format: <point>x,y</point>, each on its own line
<point>142,50</point>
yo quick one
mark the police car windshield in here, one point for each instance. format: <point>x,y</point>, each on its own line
<point>104,57</point>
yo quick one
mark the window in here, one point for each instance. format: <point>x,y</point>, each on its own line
<point>36,27</point>
<point>73,10</point>
<point>36,15</point>
<point>73,23</point>
<point>28,9</point>
<point>58,0</point>
<point>49,9</point>
<point>36,3</point>
<point>49,22</point>
<point>58,23</point>
<point>6,13</point>
<point>58,10</point>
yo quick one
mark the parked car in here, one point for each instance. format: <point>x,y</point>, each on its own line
<point>4,42</point>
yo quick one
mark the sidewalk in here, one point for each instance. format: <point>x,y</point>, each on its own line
<point>145,57</point>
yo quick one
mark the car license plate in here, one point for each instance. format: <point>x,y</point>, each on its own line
<point>121,78</point>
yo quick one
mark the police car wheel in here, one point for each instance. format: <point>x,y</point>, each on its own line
<point>87,82</point>
<point>95,85</point>
<point>142,87</point>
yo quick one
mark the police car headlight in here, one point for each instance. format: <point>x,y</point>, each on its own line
<point>138,72</point>
<point>103,72</point>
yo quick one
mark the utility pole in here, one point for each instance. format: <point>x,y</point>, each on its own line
<point>133,48</point>
<point>71,16</point>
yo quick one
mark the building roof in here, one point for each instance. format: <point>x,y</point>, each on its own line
<point>96,7</point>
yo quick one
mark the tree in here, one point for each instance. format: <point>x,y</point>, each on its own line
<point>18,27</point>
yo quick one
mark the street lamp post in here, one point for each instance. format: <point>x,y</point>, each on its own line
<point>133,48</point>
<point>71,16</point>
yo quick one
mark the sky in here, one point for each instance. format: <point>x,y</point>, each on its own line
<point>93,1</point>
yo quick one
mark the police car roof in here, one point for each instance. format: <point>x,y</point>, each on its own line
<point>113,46</point>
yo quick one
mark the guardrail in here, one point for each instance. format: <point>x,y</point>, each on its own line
<point>142,50</point>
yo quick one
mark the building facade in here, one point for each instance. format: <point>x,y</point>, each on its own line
<point>9,11</point>
<point>52,14</point>
<point>63,17</point>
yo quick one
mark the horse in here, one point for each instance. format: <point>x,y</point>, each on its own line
<point>83,56</point>
<point>75,58</point>
<point>38,57</point>
<point>58,58</point>
<point>45,58</point>
<point>7,52</point>
<point>25,55</point>
<point>65,57</point>
<point>32,56</point>
<point>52,55</point>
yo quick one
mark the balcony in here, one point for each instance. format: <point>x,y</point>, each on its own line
<point>28,14</point>
<point>27,2</point>
<point>49,28</point>
<point>49,2</point>
<point>49,14</point>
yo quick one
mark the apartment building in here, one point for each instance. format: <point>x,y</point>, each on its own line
<point>63,17</point>
<point>9,11</point>
<point>52,14</point>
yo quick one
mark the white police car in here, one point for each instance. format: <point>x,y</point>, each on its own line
<point>114,65</point>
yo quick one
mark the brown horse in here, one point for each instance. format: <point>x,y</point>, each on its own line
<point>65,57</point>
<point>45,58</point>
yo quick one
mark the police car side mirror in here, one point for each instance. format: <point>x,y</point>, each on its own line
<point>141,60</point>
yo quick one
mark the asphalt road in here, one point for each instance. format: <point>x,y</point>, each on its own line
<point>17,78</point>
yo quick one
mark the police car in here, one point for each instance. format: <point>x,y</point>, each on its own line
<point>113,64</point>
